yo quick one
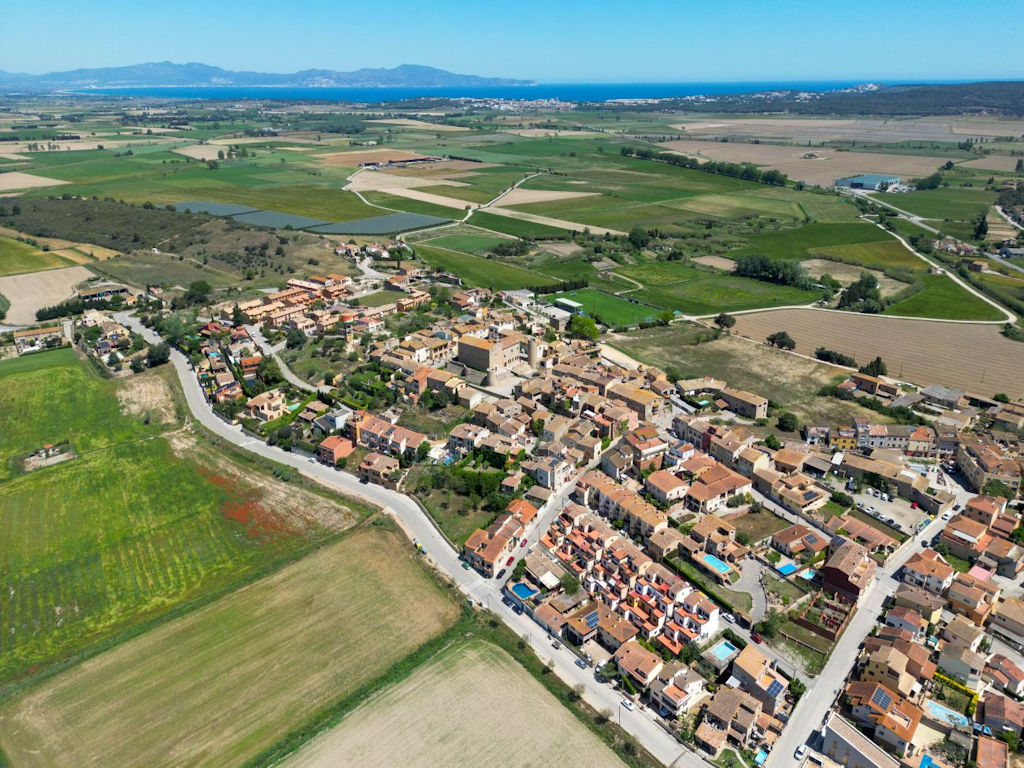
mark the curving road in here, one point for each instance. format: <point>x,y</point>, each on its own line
<point>640,723</point>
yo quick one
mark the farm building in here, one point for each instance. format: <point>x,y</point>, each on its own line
<point>875,181</point>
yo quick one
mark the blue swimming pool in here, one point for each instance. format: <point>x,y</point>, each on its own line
<point>786,569</point>
<point>945,714</point>
<point>714,562</point>
<point>808,574</point>
<point>760,757</point>
<point>523,591</point>
<point>723,650</point>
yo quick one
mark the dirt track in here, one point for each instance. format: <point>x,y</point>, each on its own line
<point>971,356</point>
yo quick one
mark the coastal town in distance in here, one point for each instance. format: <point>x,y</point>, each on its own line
<point>398,417</point>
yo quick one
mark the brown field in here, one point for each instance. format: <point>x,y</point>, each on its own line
<point>718,262</point>
<point>999,229</point>
<point>199,151</point>
<point>848,273</point>
<point>802,130</point>
<point>967,355</point>
<point>423,124</point>
<point>29,292</point>
<point>69,249</point>
<point>431,197</point>
<point>541,132</point>
<point>381,181</point>
<point>223,683</point>
<point>824,168</point>
<point>471,706</point>
<point>520,196</point>
<point>357,158</point>
<point>512,213</point>
<point>18,180</point>
<point>992,163</point>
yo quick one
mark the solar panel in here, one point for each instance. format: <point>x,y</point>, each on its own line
<point>881,698</point>
<point>775,689</point>
<point>591,619</point>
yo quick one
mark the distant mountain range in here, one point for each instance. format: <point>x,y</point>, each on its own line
<point>166,73</point>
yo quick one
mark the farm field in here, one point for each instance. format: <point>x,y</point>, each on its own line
<point>445,706</point>
<point>955,203</point>
<point>28,292</point>
<point>487,273</point>
<point>974,357</point>
<point>610,310</point>
<point>943,299</point>
<point>467,243</point>
<point>17,257</point>
<point>792,382</point>
<point>145,518</point>
<point>221,684</point>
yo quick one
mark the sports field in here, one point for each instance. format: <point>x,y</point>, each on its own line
<point>607,309</point>
<point>221,684</point>
<point>146,517</point>
<point>473,705</point>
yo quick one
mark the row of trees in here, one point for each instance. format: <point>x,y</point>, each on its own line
<point>746,171</point>
<point>769,270</point>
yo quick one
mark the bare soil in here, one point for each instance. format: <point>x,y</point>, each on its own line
<point>18,180</point>
<point>30,292</point>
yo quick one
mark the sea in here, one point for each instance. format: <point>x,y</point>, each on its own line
<point>589,92</point>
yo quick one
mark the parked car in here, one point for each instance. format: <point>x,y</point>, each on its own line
<point>756,637</point>
<point>628,704</point>
<point>555,644</point>
<point>729,617</point>
<point>465,566</point>
<point>581,663</point>
<point>947,515</point>
<point>510,561</point>
<point>522,543</point>
<point>800,752</point>
<point>500,573</point>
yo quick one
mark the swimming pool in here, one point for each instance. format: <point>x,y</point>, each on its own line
<point>723,650</point>
<point>786,569</point>
<point>523,591</point>
<point>807,574</point>
<point>714,562</point>
<point>946,715</point>
<point>760,757</point>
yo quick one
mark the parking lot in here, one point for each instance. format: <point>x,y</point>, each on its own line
<point>904,518</point>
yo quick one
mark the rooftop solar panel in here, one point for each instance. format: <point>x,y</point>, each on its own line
<point>881,698</point>
<point>775,689</point>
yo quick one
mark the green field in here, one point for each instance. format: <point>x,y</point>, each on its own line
<point>128,529</point>
<point>17,257</point>
<point>410,206</point>
<point>944,299</point>
<point>477,244</point>
<point>225,682</point>
<point>610,310</point>
<point>515,227</point>
<point>798,243</point>
<point>379,299</point>
<point>487,273</point>
<point>957,203</point>
<point>890,253</point>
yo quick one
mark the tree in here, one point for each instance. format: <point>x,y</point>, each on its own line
<point>725,322</point>
<point>583,327</point>
<point>797,687</point>
<point>981,226</point>
<point>1019,166</point>
<point>237,315</point>
<point>422,450</point>
<point>782,340</point>
<point>666,317</point>
<point>788,422</point>
<point>876,367</point>
<point>570,584</point>
<point>294,338</point>
<point>772,442</point>
<point>137,365</point>
<point>1001,397</point>
<point>158,354</point>
<point>198,292</point>
<point>639,238</point>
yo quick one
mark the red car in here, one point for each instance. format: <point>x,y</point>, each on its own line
<point>510,561</point>
<point>756,637</point>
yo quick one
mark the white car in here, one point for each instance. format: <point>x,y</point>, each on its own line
<point>729,617</point>
<point>800,752</point>
<point>947,515</point>
<point>628,704</point>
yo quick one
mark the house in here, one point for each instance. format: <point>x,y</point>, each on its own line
<point>488,551</point>
<point>378,434</point>
<point>730,717</point>
<point>1008,617</point>
<point>893,718</point>
<point>665,486</point>
<point>843,743</point>
<point>745,404</point>
<point>927,604</point>
<point>874,385</point>
<point>380,469</point>
<point>613,629</point>
<point>798,540</point>
<point>991,753</point>
<point>638,664</point>
<point>966,538</point>
<point>266,406</point>
<point>905,618</point>
<point>972,598</point>
<point>984,509</point>
<point>758,676</point>
<point>1001,714</point>
<point>1004,674</point>
<point>961,631</point>
<point>849,569</point>
<point>333,449</point>
<point>960,662</point>
<point>37,338</point>
<point>887,665</point>
<point>927,569</point>
<point>643,402</point>
<point>675,690</point>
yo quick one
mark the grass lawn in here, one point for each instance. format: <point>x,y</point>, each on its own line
<point>610,310</point>
<point>17,257</point>
<point>487,273</point>
<point>378,299</point>
<point>786,590</point>
<point>944,299</point>
<point>729,759</point>
<point>146,517</point>
<point>732,600</point>
<point>759,525</point>
<point>814,658</point>
<point>225,682</point>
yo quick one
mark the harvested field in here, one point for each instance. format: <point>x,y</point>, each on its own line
<point>30,292</point>
<point>443,709</point>
<point>823,168</point>
<point>552,222</point>
<point>442,168</point>
<point>541,132</point>
<point>520,196</point>
<point>849,273</point>
<point>379,181</point>
<point>430,197</point>
<point>409,123</point>
<point>355,159</point>
<point>147,394</point>
<point>226,681</point>
<point>18,180</point>
<point>992,163</point>
<point>718,262</point>
<point>971,356</point>
<point>865,129</point>
<point>199,151</point>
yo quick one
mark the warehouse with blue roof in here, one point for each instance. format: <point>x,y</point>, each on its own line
<point>875,181</point>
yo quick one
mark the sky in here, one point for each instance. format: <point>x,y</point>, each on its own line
<point>551,41</point>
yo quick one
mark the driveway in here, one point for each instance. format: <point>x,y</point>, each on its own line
<point>750,582</point>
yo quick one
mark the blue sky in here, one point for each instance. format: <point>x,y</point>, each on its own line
<point>553,41</point>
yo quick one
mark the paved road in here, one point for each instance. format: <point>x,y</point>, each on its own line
<point>642,724</point>
<point>270,351</point>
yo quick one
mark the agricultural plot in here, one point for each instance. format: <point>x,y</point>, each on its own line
<point>380,225</point>
<point>956,203</point>
<point>445,706</point>
<point>277,220</point>
<point>228,680</point>
<point>973,357</point>
<point>28,292</point>
<point>140,522</point>
<point>214,209</point>
<point>17,257</point>
<point>943,299</point>
<point>468,243</point>
<point>800,242</point>
<point>607,309</point>
<point>516,227</point>
<point>486,273</point>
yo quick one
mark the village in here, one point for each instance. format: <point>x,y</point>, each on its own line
<point>650,527</point>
